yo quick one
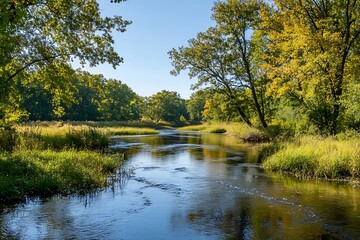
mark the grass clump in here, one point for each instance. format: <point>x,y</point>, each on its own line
<point>238,130</point>
<point>113,131</point>
<point>194,128</point>
<point>44,173</point>
<point>215,130</point>
<point>317,157</point>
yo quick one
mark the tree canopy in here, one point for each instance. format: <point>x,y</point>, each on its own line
<point>40,38</point>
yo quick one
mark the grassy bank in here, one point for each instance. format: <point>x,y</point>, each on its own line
<point>61,136</point>
<point>41,159</point>
<point>310,157</point>
<point>238,130</point>
<point>44,173</point>
<point>317,157</point>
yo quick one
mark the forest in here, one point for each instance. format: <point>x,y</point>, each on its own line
<point>285,68</point>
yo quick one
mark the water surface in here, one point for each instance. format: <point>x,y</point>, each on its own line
<point>192,186</point>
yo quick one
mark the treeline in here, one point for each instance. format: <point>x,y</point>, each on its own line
<point>91,97</point>
<point>293,64</point>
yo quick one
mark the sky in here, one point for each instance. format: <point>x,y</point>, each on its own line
<point>157,27</point>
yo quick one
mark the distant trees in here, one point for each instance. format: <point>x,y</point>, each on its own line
<point>118,102</point>
<point>165,105</point>
<point>94,98</point>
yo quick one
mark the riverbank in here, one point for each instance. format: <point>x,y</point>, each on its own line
<point>46,158</point>
<point>315,157</point>
<point>237,130</point>
<point>334,158</point>
<point>44,173</point>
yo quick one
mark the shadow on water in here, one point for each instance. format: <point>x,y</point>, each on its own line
<point>181,185</point>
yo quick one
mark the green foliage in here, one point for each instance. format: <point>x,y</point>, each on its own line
<point>40,38</point>
<point>8,138</point>
<point>43,173</point>
<point>195,105</point>
<point>312,56</point>
<point>165,105</point>
<point>222,58</point>
<point>118,102</point>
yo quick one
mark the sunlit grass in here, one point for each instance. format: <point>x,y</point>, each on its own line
<point>238,130</point>
<point>316,157</point>
<point>69,136</point>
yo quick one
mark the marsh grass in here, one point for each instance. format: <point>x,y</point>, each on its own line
<point>101,124</point>
<point>317,157</point>
<point>50,158</point>
<point>65,136</point>
<point>44,173</point>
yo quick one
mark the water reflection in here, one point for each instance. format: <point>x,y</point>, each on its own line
<point>191,186</point>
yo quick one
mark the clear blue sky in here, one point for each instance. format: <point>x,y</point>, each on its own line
<point>158,26</point>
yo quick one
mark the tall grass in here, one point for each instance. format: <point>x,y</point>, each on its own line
<point>59,137</point>
<point>46,159</point>
<point>317,157</point>
<point>43,173</point>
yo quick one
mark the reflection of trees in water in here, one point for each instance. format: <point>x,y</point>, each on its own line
<point>249,218</point>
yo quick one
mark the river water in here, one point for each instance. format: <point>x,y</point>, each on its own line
<point>185,185</point>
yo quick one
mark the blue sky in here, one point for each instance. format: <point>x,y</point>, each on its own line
<point>158,26</point>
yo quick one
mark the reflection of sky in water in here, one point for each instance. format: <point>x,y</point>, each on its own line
<point>193,187</point>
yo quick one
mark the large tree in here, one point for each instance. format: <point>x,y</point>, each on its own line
<point>222,57</point>
<point>47,34</point>
<point>314,53</point>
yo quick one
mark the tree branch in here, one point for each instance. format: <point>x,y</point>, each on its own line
<point>29,64</point>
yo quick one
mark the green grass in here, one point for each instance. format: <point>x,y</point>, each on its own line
<point>100,124</point>
<point>59,137</point>
<point>317,157</point>
<point>238,130</point>
<point>41,159</point>
<point>44,173</point>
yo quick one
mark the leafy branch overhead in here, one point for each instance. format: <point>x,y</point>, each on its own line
<point>35,35</point>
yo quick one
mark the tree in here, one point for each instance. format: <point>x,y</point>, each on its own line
<point>165,105</point>
<point>118,102</point>
<point>87,98</point>
<point>195,105</point>
<point>38,35</point>
<point>217,109</point>
<point>222,57</point>
<point>314,52</point>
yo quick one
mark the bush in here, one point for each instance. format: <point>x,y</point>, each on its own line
<point>8,138</point>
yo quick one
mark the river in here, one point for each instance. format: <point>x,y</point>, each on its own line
<point>186,185</point>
